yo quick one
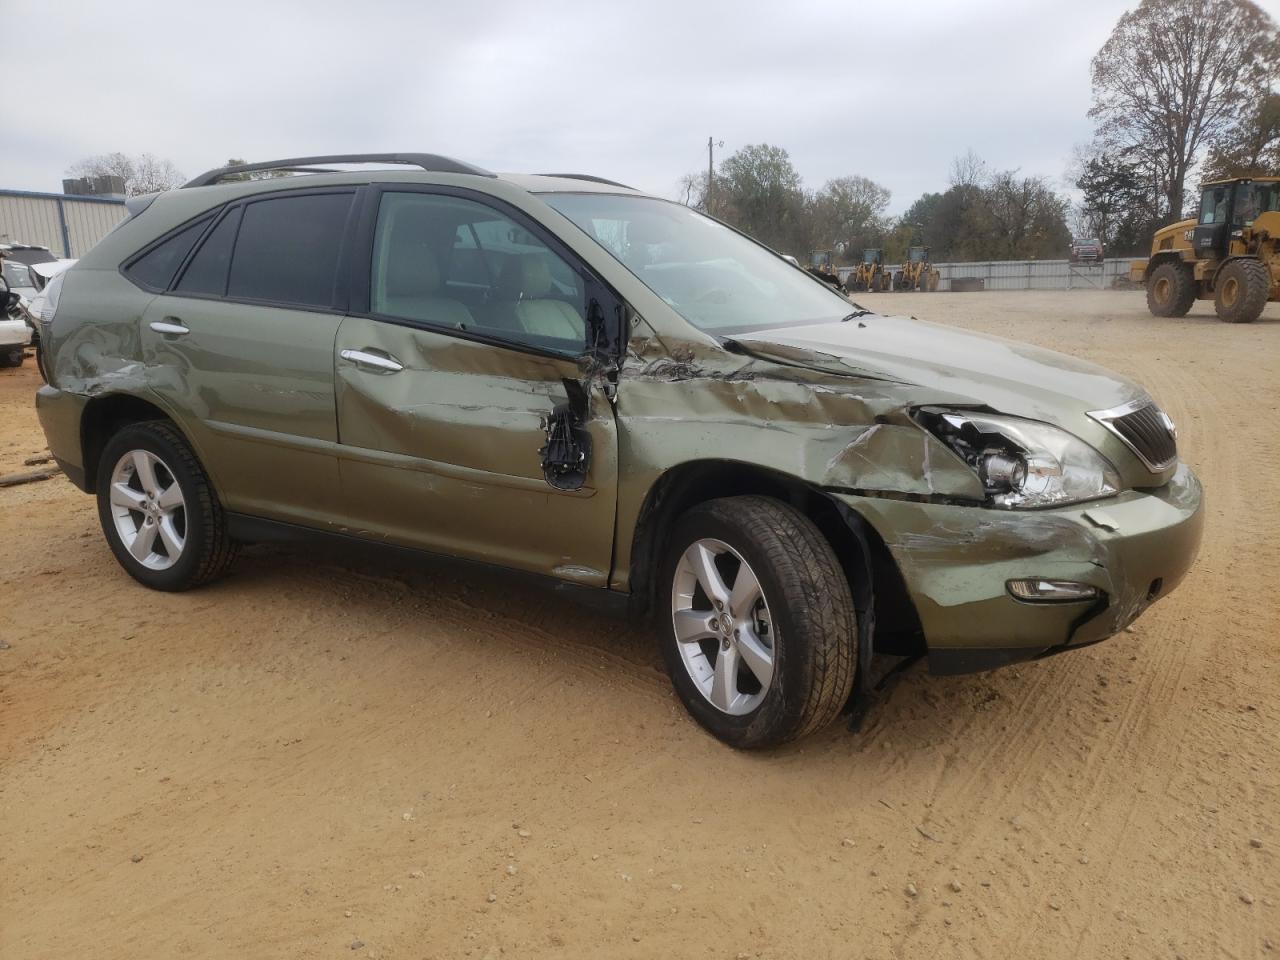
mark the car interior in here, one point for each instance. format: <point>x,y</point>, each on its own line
<point>459,264</point>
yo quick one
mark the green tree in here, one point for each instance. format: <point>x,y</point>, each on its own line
<point>759,191</point>
<point>990,215</point>
<point>1116,206</point>
<point>848,211</point>
<point>1252,147</point>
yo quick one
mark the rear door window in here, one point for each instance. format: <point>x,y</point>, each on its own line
<point>287,249</point>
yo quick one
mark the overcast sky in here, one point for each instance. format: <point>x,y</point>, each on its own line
<point>892,91</point>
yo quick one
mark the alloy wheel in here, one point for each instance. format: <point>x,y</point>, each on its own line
<point>723,628</point>
<point>149,510</point>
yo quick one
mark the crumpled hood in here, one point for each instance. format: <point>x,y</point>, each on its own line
<point>1008,376</point>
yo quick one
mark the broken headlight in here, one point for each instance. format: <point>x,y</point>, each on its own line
<point>1023,463</point>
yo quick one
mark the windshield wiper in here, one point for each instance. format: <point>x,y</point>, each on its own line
<point>860,312</point>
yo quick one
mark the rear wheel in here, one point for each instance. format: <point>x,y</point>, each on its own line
<point>159,512</point>
<point>761,640</point>
<point>12,356</point>
<point>1171,289</point>
<point>1240,293</point>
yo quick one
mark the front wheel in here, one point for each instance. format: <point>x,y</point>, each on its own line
<point>159,512</point>
<point>761,640</point>
<point>1241,290</point>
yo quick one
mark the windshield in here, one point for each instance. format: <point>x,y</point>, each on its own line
<point>870,256</point>
<point>16,273</point>
<point>917,254</point>
<point>717,279</point>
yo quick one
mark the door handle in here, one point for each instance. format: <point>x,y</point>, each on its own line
<point>171,326</point>
<point>367,358</point>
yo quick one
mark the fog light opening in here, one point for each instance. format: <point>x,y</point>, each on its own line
<point>1038,590</point>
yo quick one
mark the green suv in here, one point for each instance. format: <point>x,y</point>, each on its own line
<point>564,376</point>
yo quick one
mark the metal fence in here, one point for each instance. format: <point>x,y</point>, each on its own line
<point>1028,274</point>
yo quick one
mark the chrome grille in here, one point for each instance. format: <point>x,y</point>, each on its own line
<point>1145,429</point>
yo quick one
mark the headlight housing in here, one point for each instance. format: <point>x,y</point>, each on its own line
<point>1023,464</point>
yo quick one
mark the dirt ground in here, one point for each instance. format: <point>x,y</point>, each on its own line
<point>326,752</point>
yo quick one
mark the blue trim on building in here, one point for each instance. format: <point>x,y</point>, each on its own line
<point>58,196</point>
<point>66,234</point>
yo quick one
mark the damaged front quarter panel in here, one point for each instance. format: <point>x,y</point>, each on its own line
<point>834,428</point>
<point>847,431</point>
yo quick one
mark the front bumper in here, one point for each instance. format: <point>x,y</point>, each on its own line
<point>14,333</point>
<point>956,561</point>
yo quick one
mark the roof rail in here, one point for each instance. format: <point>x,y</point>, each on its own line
<point>587,176</point>
<point>427,161</point>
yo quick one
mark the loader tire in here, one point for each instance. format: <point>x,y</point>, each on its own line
<point>1171,289</point>
<point>1241,290</point>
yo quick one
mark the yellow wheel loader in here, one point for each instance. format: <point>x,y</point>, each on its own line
<point>869,274</point>
<point>822,266</point>
<point>1230,255</point>
<point>917,272</point>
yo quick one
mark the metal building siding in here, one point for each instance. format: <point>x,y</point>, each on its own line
<point>30,220</point>
<point>87,223</point>
<point>34,218</point>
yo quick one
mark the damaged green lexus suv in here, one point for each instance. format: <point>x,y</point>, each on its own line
<point>560,375</point>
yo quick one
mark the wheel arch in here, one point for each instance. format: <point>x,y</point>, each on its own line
<point>104,416</point>
<point>1160,258</point>
<point>879,591</point>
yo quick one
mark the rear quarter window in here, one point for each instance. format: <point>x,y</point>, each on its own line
<point>155,268</point>
<point>207,271</point>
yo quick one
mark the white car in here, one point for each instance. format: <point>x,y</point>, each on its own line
<point>15,331</point>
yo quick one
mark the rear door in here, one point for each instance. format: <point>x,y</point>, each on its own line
<point>242,346</point>
<point>470,421</point>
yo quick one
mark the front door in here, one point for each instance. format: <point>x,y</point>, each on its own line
<point>467,424</point>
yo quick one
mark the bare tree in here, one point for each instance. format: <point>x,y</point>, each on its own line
<point>1175,75</point>
<point>144,173</point>
<point>693,190</point>
<point>969,170</point>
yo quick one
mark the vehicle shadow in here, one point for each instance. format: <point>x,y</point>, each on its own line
<point>561,622</point>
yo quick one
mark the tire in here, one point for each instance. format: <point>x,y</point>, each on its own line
<point>803,619</point>
<point>1171,289</point>
<point>1241,290</point>
<point>198,525</point>
<point>877,283</point>
<point>12,356</point>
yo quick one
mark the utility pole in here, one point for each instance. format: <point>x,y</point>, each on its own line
<point>712,143</point>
